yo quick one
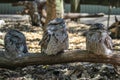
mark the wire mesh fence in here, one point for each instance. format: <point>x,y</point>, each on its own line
<point>7,8</point>
<point>94,9</point>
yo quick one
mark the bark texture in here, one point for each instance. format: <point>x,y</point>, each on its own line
<point>66,57</point>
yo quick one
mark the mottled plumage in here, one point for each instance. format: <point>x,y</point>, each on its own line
<point>15,43</point>
<point>55,38</point>
<point>98,40</point>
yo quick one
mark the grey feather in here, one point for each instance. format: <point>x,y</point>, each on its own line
<point>98,40</point>
<point>55,38</point>
<point>15,43</point>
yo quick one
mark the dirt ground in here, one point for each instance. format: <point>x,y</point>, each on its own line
<point>69,71</point>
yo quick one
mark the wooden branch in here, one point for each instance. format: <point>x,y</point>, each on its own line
<point>67,57</point>
<point>79,15</point>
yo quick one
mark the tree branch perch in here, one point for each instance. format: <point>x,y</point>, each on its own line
<point>67,57</point>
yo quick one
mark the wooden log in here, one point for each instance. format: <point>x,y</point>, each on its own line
<point>74,16</point>
<point>79,15</point>
<point>66,57</point>
<point>14,18</point>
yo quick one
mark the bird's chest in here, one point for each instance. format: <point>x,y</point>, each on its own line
<point>96,37</point>
<point>55,41</point>
<point>54,46</point>
<point>17,43</point>
<point>96,42</point>
<point>59,37</point>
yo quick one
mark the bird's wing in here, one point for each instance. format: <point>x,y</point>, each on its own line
<point>108,42</point>
<point>45,40</point>
<point>25,48</point>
